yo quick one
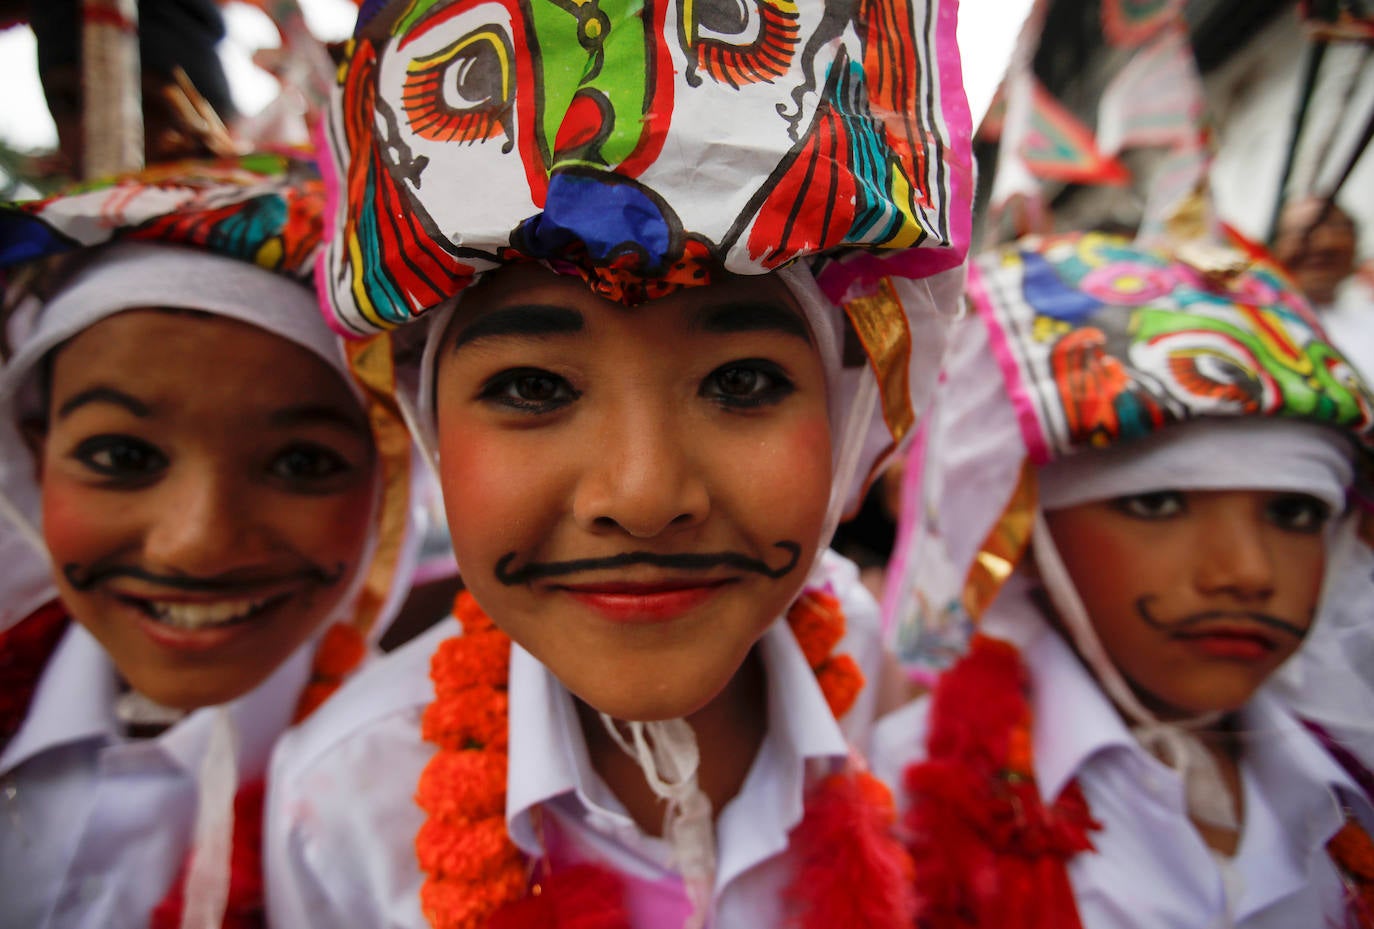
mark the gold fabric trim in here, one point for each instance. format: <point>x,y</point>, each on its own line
<point>1003,548</point>
<point>370,361</point>
<point>879,321</point>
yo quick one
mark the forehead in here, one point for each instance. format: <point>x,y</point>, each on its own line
<point>764,299</point>
<point>198,354</point>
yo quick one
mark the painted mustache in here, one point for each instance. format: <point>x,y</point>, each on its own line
<point>1194,620</point>
<point>83,579</point>
<point>537,571</point>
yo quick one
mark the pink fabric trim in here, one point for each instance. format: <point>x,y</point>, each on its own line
<point>1031,431</point>
<point>330,177</point>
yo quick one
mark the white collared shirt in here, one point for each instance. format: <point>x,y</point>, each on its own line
<point>1151,868</point>
<point>94,827</point>
<point>342,820</point>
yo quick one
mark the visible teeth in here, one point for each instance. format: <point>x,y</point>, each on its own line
<point>202,615</point>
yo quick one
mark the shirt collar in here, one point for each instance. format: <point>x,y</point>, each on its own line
<point>548,756</point>
<point>74,702</point>
<point>1072,720</point>
<point>1294,790</point>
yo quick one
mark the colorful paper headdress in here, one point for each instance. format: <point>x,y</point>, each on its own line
<point>642,145</point>
<point>1084,342</point>
<point>263,209</point>
<point>1100,341</point>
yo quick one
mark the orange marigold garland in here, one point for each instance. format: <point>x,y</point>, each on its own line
<point>472,866</point>
<point>342,648</point>
<point>477,879</point>
<point>817,623</point>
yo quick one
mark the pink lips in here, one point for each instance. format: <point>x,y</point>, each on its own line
<point>644,603</point>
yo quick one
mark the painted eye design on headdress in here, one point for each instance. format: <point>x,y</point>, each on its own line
<point>740,42</point>
<point>1344,376</point>
<point>463,92</point>
<point>1210,370</point>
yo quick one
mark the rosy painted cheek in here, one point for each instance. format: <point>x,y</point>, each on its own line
<point>804,459</point>
<point>474,481</point>
<point>68,526</point>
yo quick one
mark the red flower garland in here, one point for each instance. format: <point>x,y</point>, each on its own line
<point>476,878</point>
<point>245,907</point>
<point>988,852</point>
<point>1352,852</point>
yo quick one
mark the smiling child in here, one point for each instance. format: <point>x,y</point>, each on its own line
<point>210,495</point>
<point>1146,471</point>
<point>662,358</point>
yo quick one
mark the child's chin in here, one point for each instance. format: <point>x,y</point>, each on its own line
<point>188,691</point>
<point>639,706</point>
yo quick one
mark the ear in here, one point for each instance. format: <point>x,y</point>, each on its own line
<point>34,432</point>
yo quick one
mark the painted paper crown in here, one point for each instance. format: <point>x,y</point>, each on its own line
<point>642,144</point>
<point>263,209</point>
<point>1101,341</point>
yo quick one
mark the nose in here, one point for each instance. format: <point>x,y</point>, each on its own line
<point>1234,557</point>
<point>642,477</point>
<point>202,525</point>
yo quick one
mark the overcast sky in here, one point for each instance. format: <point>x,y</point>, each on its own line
<point>987,30</point>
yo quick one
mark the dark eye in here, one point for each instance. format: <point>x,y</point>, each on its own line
<point>1298,513</point>
<point>746,384</point>
<point>529,390</point>
<point>120,457</point>
<point>1159,504</point>
<point>308,462</point>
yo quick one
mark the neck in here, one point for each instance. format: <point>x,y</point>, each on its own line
<point>729,731</point>
<point>1221,743</point>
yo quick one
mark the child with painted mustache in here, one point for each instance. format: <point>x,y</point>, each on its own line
<point>1138,486</point>
<point>684,278</point>
<point>223,517</point>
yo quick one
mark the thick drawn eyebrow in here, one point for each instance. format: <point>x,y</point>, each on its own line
<point>103,394</point>
<point>729,318</point>
<point>524,320</point>
<point>307,414</point>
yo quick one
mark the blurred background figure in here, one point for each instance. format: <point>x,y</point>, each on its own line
<point>1316,241</point>
<point>186,101</point>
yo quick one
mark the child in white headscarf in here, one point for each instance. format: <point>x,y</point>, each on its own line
<point>223,508</point>
<point>684,354</point>
<point>1141,470</point>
